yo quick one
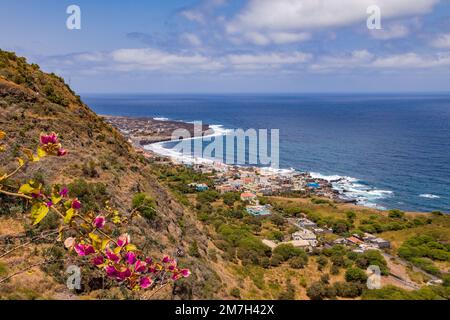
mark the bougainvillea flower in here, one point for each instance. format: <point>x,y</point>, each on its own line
<point>49,204</point>
<point>112,256</point>
<point>124,274</point>
<point>61,152</point>
<point>64,192</point>
<point>49,139</point>
<point>131,258</point>
<point>123,240</point>
<point>140,266</point>
<point>69,243</point>
<point>97,261</point>
<point>146,282</point>
<point>111,271</point>
<point>148,260</point>
<point>76,204</point>
<point>152,270</point>
<point>84,249</point>
<point>185,273</point>
<point>36,195</point>
<point>166,259</point>
<point>176,276</point>
<point>171,267</point>
<point>99,222</point>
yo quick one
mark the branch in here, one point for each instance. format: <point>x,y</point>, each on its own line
<point>27,243</point>
<point>28,268</point>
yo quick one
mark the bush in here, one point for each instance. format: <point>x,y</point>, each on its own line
<point>372,257</point>
<point>193,250</point>
<point>144,205</point>
<point>298,262</point>
<point>348,290</point>
<point>317,291</point>
<point>235,292</point>
<point>288,251</point>
<point>396,214</point>
<point>355,275</point>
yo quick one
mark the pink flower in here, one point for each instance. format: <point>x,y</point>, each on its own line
<point>64,192</point>
<point>112,256</point>
<point>123,240</point>
<point>140,266</point>
<point>99,222</point>
<point>76,204</point>
<point>49,204</point>
<point>36,195</point>
<point>84,249</point>
<point>176,276</point>
<point>148,260</point>
<point>166,259</point>
<point>50,138</point>
<point>131,258</point>
<point>171,268</point>
<point>185,273</point>
<point>111,271</point>
<point>152,269</point>
<point>124,274</point>
<point>146,282</point>
<point>98,260</point>
<point>61,152</point>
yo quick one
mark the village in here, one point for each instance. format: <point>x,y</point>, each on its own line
<point>251,183</point>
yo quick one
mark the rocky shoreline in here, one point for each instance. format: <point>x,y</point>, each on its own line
<point>143,131</point>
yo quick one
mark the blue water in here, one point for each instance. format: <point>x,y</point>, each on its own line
<point>395,143</point>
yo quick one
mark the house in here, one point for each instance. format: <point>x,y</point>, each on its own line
<point>259,210</point>
<point>381,243</point>
<point>225,188</point>
<point>272,245</point>
<point>248,196</point>
<point>199,186</point>
<point>303,244</point>
<point>305,223</point>
<point>305,234</point>
<point>368,237</point>
<point>340,241</point>
<point>354,240</point>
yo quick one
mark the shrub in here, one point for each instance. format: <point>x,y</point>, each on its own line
<point>355,275</point>
<point>288,251</point>
<point>145,205</point>
<point>235,292</point>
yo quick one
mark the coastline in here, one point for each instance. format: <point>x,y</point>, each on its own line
<point>148,135</point>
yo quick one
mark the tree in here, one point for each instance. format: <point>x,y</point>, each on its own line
<point>355,275</point>
<point>317,291</point>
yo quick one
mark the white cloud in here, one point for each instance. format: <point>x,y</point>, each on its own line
<point>267,61</point>
<point>155,60</point>
<point>394,31</point>
<point>412,61</point>
<point>194,16</point>
<point>357,58</point>
<point>191,39</point>
<point>265,17</point>
<point>441,41</point>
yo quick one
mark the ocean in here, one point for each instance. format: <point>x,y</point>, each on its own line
<point>391,150</point>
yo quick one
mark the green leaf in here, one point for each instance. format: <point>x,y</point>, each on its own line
<point>26,189</point>
<point>39,212</point>
<point>69,215</point>
<point>41,153</point>
<point>130,247</point>
<point>56,199</point>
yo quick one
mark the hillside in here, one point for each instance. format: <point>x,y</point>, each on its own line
<point>100,166</point>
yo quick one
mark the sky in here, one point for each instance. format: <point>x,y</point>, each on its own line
<point>235,46</point>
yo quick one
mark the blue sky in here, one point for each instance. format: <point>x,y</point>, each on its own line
<point>217,46</point>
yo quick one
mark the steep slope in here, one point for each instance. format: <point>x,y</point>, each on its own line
<point>100,166</point>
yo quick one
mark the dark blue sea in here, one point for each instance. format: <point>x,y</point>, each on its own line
<point>393,151</point>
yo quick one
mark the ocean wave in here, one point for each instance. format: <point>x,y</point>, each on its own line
<point>429,196</point>
<point>161,119</point>
<point>353,188</point>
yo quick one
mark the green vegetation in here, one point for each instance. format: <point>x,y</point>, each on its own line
<point>394,293</point>
<point>423,250</point>
<point>145,205</point>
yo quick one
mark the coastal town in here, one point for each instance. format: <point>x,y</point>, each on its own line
<point>251,183</point>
